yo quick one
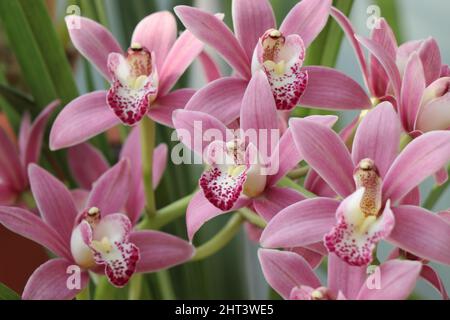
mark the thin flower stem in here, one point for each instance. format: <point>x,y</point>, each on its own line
<point>221,239</point>
<point>286,182</point>
<point>436,194</point>
<point>167,214</point>
<point>148,145</point>
<point>84,294</point>
<point>252,217</point>
<point>298,173</point>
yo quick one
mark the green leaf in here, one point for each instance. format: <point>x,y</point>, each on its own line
<point>28,54</point>
<point>51,48</point>
<point>21,101</point>
<point>7,293</point>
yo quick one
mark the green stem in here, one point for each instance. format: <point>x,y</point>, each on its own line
<point>286,182</point>
<point>167,214</point>
<point>436,194</point>
<point>404,141</point>
<point>148,145</point>
<point>84,294</point>
<point>298,173</point>
<point>222,238</point>
<point>252,217</point>
<point>165,285</point>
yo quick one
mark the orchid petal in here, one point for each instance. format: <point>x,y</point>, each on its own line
<point>10,166</point>
<point>431,275</point>
<point>210,67</point>
<point>87,164</point>
<point>347,27</point>
<point>274,200</point>
<point>422,233</point>
<point>180,56</point>
<point>251,18</point>
<point>435,115</point>
<point>161,111</point>
<point>331,89</point>
<point>53,200</point>
<point>377,137</point>
<point>387,62</point>
<point>110,192</point>
<point>412,91</point>
<point>82,119</point>
<point>307,19</point>
<point>51,282</point>
<point>160,250</point>
<point>431,60</point>
<point>36,134</point>
<point>93,41</point>
<point>423,157</point>
<point>221,98</point>
<point>192,126</point>
<point>412,198</point>
<point>200,210</point>
<point>286,270</point>
<point>24,132</point>
<point>212,31</point>
<point>397,281</point>
<point>383,36</point>
<point>326,153</point>
<point>345,278</point>
<point>157,33</point>
<point>30,226</point>
<point>300,224</point>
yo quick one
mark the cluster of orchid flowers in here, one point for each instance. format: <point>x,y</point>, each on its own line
<point>361,185</point>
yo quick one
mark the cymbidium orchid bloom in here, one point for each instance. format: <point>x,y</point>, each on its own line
<point>233,180</point>
<point>256,45</point>
<point>411,76</point>
<point>98,238</point>
<point>14,159</point>
<point>141,78</point>
<point>291,276</point>
<point>378,191</point>
<point>87,164</point>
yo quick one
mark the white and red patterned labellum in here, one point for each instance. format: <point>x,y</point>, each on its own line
<point>361,223</point>
<point>104,241</point>
<point>134,83</point>
<point>281,58</point>
<point>233,171</point>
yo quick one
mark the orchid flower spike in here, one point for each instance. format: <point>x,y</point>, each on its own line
<point>379,189</point>
<point>141,77</point>
<point>98,238</point>
<point>257,44</point>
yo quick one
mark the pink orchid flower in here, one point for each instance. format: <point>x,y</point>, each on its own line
<point>98,238</point>
<point>141,78</point>
<point>291,276</point>
<point>87,164</point>
<point>239,182</point>
<point>378,189</point>
<point>257,45</point>
<point>411,76</point>
<point>14,160</point>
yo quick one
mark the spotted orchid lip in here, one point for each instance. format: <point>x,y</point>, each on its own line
<point>281,58</point>
<point>134,84</point>
<point>104,241</point>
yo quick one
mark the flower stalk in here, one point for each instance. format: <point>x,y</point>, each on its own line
<point>148,135</point>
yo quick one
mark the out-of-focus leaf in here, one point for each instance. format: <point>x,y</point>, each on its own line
<point>51,49</point>
<point>10,112</point>
<point>7,293</point>
<point>28,54</point>
<point>20,101</point>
